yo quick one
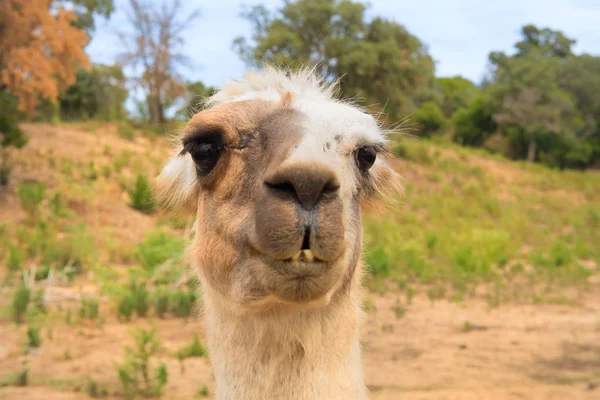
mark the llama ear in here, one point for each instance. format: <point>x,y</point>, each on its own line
<point>176,186</point>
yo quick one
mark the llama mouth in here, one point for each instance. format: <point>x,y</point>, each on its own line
<point>304,256</point>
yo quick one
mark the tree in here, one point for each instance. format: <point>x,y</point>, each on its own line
<point>98,93</point>
<point>530,106</point>
<point>543,42</point>
<point>196,92</point>
<point>87,10</point>
<point>40,51</point>
<point>457,93</point>
<point>153,45</point>
<point>378,61</point>
<point>429,118</point>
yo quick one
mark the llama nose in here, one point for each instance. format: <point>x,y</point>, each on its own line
<point>307,184</point>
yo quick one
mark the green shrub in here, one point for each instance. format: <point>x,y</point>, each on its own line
<point>378,262</point>
<point>182,303</point>
<point>16,256</point>
<point>106,171</point>
<point>413,151</point>
<point>31,195</point>
<point>125,131</point>
<point>75,250</point>
<point>157,247</point>
<point>89,308</point>
<point>161,303</point>
<point>39,300</point>
<point>136,299</point>
<point>58,206</point>
<point>135,373</point>
<point>203,392</point>
<point>194,349</point>
<point>20,302</point>
<point>4,173</point>
<point>141,298</point>
<point>34,339</point>
<point>126,307</point>
<point>141,195</point>
<point>430,118</point>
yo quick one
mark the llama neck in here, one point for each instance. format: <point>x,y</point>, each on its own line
<point>313,354</point>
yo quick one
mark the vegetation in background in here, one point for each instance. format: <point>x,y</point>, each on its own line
<point>194,349</point>
<point>153,46</point>
<point>34,338</point>
<point>378,60</point>
<point>480,229</point>
<point>20,302</point>
<point>30,196</point>
<point>137,374</point>
<point>141,195</point>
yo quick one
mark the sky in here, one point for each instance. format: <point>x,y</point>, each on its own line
<point>458,33</point>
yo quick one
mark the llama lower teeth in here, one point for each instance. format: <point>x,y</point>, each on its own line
<point>308,255</point>
<point>296,256</point>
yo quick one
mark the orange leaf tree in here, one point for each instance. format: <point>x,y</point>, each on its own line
<point>41,49</point>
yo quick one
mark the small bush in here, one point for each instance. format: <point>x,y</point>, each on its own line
<point>141,298</point>
<point>203,392</point>
<point>16,256</point>
<point>413,151</point>
<point>4,174</point>
<point>378,262</point>
<point>430,118</point>
<point>76,249</point>
<point>125,131</point>
<point>194,349</point>
<point>34,338</point>
<point>161,303</point>
<point>58,206</point>
<point>157,247</point>
<point>39,300</point>
<point>182,303</point>
<point>106,171</point>
<point>135,373</point>
<point>31,195</point>
<point>125,308</point>
<point>20,303</point>
<point>399,309</point>
<point>141,195</point>
<point>89,308</point>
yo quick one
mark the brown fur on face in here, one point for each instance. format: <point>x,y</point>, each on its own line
<point>246,230</point>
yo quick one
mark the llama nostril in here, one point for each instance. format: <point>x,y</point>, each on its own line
<point>282,186</point>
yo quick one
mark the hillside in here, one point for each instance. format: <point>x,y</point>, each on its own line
<point>484,277</point>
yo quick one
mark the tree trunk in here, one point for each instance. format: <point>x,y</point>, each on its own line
<point>155,107</point>
<point>531,151</point>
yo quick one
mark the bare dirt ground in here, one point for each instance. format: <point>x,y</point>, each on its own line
<point>510,352</point>
<point>534,351</point>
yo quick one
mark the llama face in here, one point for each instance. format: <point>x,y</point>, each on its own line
<point>278,186</point>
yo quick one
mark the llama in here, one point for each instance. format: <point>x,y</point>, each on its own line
<point>277,170</point>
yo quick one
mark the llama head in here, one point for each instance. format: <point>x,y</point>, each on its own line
<point>277,169</point>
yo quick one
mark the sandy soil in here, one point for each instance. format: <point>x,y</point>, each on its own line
<point>511,352</point>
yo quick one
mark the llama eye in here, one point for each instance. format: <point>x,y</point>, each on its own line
<point>365,157</point>
<point>205,155</point>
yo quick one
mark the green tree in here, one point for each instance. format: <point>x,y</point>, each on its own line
<point>430,118</point>
<point>98,93</point>
<point>456,93</point>
<point>529,103</point>
<point>196,92</point>
<point>376,60</point>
